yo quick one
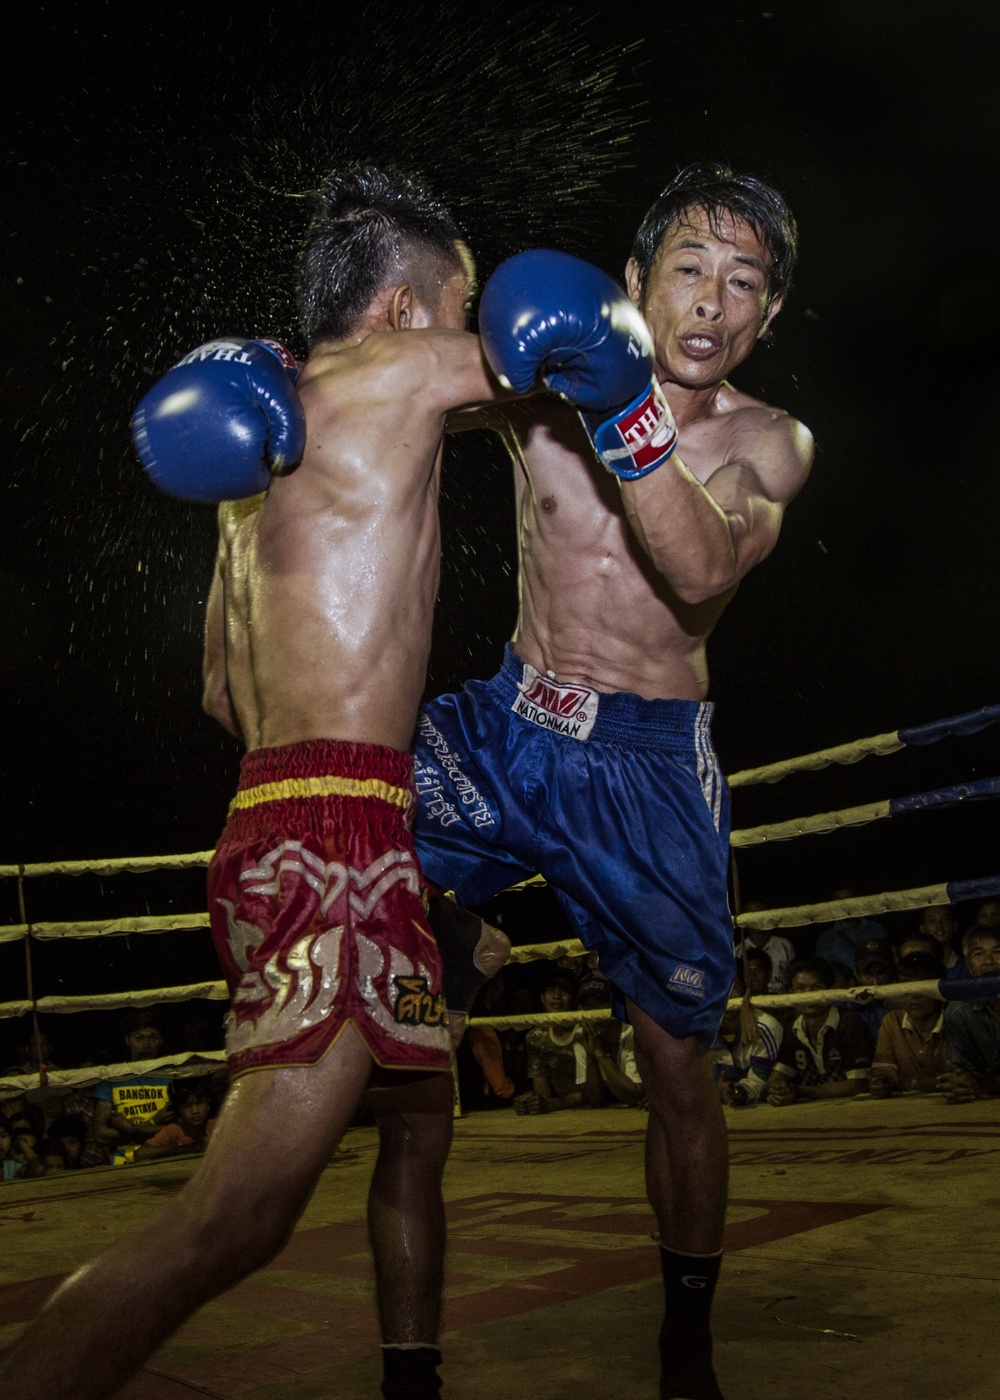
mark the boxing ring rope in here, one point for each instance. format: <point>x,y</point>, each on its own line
<point>793,917</point>
<point>973,989</point>
<point>191,1065</point>
<point>879,744</point>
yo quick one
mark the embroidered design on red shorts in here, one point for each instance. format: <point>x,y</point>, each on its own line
<point>309,943</point>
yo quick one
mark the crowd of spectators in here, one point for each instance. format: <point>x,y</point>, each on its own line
<point>135,1117</point>
<point>915,1043</point>
<point>774,1057</point>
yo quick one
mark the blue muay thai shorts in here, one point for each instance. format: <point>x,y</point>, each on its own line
<point>617,801</point>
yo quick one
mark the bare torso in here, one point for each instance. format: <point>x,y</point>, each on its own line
<point>329,587</point>
<point>593,606</point>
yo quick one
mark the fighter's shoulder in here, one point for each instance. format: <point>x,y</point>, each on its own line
<point>769,437</point>
<point>386,366</point>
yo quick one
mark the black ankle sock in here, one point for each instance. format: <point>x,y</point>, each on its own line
<point>411,1372</point>
<point>686,1336</point>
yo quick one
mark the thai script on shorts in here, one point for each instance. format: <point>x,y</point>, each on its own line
<point>415,1004</point>
<point>435,802</point>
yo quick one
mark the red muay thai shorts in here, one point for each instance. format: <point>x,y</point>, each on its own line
<point>314,894</point>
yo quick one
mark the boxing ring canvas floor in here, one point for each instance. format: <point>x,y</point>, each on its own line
<point>863,1243</point>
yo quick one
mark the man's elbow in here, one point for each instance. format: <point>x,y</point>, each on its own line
<point>211,700</point>
<point>217,704</point>
<point>698,588</point>
<point>701,577</point>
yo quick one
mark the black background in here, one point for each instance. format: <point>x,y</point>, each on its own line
<point>156,154</point>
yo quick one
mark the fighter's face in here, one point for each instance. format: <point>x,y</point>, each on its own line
<point>705,299</point>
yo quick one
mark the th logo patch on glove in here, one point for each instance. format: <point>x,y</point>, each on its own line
<point>638,439</point>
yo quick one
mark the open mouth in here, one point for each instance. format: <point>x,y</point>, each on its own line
<point>701,346</point>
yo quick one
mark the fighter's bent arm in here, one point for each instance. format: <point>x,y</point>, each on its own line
<point>448,368</point>
<point>704,538</point>
<point>215,698</point>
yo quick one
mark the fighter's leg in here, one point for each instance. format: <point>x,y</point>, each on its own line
<point>275,1134</point>
<point>687,1176</point>
<point>407,1228</point>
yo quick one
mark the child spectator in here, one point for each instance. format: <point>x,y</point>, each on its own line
<point>128,1111</point>
<point>562,1073</point>
<point>69,1135</point>
<point>14,1108</point>
<point>910,1050</point>
<point>25,1152</point>
<point>745,1051</point>
<point>826,1053</point>
<point>52,1157</point>
<point>972,1029</point>
<point>191,1102</point>
<point>79,1106</point>
<point>611,1045</point>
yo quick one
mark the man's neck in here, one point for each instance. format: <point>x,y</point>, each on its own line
<point>691,405</point>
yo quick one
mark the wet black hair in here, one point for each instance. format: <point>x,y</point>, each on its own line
<point>717,190</point>
<point>369,225</point>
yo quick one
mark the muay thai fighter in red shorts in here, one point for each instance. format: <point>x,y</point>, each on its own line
<point>318,633</point>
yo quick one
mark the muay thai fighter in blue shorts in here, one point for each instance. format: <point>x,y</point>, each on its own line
<point>589,757</point>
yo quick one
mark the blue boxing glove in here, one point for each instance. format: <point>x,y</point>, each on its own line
<point>222,421</point>
<point>552,314</point>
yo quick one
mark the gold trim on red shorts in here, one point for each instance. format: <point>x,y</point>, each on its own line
<point>329,785</point>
